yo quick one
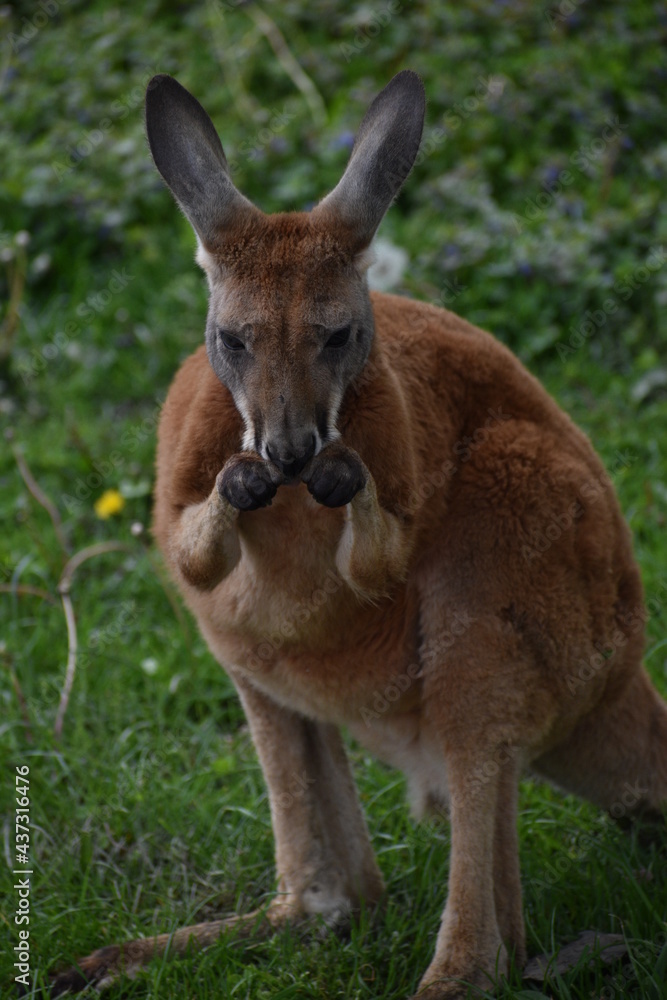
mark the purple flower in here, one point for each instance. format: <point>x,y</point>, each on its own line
<point>344,140</point>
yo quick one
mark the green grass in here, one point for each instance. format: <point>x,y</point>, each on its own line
<point>150,811</point>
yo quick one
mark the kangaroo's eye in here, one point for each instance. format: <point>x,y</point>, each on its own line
<point>339,338</point>
<point>230,342</point>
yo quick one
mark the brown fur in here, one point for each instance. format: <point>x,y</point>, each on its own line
<point>428,623</point>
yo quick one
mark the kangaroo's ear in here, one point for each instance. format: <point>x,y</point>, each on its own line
<point>381,159</point>
<point>189,155</point>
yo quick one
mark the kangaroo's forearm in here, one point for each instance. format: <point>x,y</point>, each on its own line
<point>206,545</point>
<point>374,548</point>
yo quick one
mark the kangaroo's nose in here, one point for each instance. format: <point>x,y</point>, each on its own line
<point>289,463</point>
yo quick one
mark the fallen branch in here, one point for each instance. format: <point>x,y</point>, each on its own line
<point>20,697</point>
<point>72,564</point>
<point>70,670</point>
<point>64,587</point>
<point>25,589</point>
<point>301,80</point>
<point>99,549</point>
<point>41,498</point>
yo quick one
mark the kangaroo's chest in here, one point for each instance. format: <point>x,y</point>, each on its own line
<point>285,618</point>
<point>285,583</point>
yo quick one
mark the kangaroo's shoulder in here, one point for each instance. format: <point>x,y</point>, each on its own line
<point>440,356</point>
<point>425,333</point>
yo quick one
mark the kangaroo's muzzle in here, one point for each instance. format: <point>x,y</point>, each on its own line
<point>291,458</point>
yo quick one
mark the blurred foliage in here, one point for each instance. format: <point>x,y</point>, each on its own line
<point>519,93</point>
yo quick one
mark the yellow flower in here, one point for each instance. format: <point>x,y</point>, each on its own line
<point>111,502</point>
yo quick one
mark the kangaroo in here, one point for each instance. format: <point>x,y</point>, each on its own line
<point>382,521</point>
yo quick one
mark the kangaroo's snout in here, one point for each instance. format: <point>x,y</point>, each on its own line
<point>291,458</point>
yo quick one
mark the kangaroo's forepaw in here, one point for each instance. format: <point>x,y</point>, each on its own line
<point>335,476</point>
<point>248,482</point>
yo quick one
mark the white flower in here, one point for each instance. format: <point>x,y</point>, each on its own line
<point>388,267</point>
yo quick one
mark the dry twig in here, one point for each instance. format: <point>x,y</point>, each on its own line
<point>299,78</point>
<point>64,587</point>
<point>20,697</point>
<point>41,498</point>
<point>25,589</point>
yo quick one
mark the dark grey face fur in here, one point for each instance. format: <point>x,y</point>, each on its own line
<point>288,355</point>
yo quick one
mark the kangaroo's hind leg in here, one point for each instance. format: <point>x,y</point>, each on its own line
<point>483,704</point>
<point>325,861</point>
<point>506,871</point>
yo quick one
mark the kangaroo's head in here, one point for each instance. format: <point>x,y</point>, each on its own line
<point>290,323</point>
